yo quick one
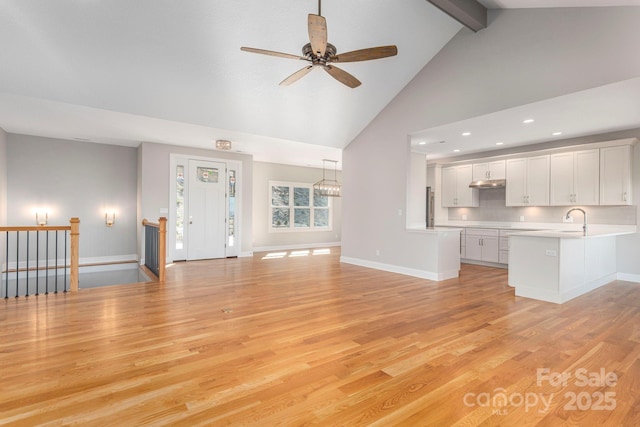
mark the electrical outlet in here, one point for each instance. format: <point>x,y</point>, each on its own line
<point>464,217</point>
<point>551,252</point>
<point>399,212</point>
<point>565,219</point>
<point>521,218</point>
<point>377,252</point>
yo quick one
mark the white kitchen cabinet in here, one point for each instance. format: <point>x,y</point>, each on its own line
<point>575,178</point>
<point>615,175</point>
<point>455,187</point>
<point>528,181</point>
<point>557,269</point>
<point>482,244</point>
<point>489,170</point>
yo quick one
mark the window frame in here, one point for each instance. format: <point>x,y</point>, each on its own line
<point>292,207</point>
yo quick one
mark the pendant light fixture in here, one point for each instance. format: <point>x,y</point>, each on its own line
<point>328,187</point>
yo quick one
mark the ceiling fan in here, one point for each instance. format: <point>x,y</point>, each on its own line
<point>320,53</point>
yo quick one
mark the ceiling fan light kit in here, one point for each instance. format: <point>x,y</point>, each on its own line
<point>320,53</point>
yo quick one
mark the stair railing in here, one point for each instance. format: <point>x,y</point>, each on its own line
<point>155,246</point>
<point>34,257</point>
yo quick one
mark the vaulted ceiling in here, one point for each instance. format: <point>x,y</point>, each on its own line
<point>123,72</point>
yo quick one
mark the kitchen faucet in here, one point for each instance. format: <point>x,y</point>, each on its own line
<point>584,224</point>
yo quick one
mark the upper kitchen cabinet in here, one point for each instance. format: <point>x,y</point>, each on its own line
<point>615,175</point>
<point>455,187</point>
<point>528,181</point>
<point>489,170</point>
<point>575,178</point>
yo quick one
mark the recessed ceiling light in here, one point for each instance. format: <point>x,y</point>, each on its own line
<point>422,143</point>
<point>466,133</point>
<point>528,121</point>
<point>499,143</point>
<point>556,133</point>
<point>456,150</point>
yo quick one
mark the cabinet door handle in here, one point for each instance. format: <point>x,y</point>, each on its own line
<point>624,196</point>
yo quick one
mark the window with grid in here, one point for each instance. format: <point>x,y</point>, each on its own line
<point>297,207</point>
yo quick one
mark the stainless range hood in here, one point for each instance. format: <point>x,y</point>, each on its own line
<point>489,183</point>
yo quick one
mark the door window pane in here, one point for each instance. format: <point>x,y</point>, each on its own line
<point>179,207</point>
<point>232,209</point>
<point>208,175</point>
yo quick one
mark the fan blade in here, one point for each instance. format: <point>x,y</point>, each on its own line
<point>342,76</point>
<point>272,53</point>
<point>318,34</point>
<point>366,54</point>
<point>296,76</point>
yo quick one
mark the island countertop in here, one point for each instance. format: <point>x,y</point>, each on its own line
<point>577,233</point>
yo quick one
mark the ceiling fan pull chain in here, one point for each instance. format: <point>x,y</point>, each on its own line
<point>319,7</point>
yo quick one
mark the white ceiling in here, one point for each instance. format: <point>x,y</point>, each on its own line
<point>123,72</point>
<point>603,109</point>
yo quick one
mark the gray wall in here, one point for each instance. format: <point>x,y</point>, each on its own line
<point>154,184</point>
<point>75,179</point>
<point>262,238</point>
<point>525,55</point>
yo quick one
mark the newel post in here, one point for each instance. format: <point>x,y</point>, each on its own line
<point>162,248</point>
<point>75,253</point>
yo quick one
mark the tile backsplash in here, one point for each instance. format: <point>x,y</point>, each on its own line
<point>492,208</point>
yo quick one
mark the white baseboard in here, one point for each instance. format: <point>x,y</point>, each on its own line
<point>110,267</point>
<point>423,274</point>
<point>296,247</point>
<point>562,297</point>
<point>115,259</point>
<point>86,265</point>
<point>635,278</point>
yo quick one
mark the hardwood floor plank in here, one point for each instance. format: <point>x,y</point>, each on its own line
<point>307,340</point>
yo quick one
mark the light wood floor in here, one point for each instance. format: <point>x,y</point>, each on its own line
<point>305,340</point>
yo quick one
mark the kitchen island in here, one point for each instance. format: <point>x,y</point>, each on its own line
<point>558,265</point>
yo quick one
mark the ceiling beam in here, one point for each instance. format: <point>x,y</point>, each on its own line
<point>469,13</point>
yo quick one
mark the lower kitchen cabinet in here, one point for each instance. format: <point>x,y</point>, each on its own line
<point>481,244</point>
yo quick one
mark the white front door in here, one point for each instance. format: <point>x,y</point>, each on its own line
<point>207,210</point>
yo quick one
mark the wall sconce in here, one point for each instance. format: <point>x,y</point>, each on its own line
<point>42,217</point>
<point>110,218</point>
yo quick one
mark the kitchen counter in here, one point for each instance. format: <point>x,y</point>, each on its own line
<point>557,266</point>
<point>573,233</point>
<point>435,230</point>
<point>592,229</point>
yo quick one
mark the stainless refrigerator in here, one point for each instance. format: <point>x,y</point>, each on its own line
<point>430,220</point>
